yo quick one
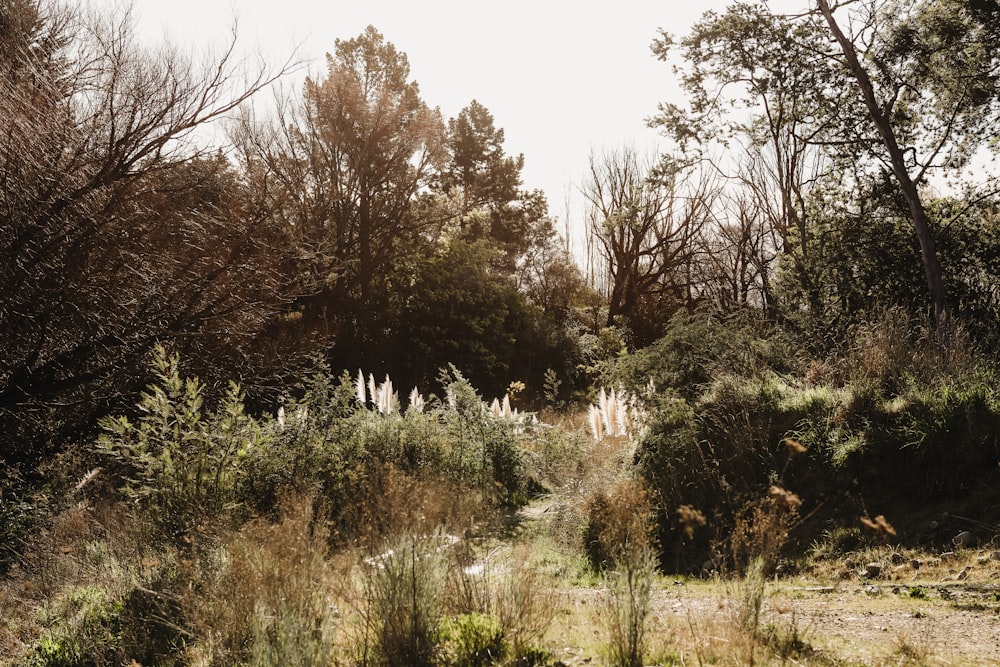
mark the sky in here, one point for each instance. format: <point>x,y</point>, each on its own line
<point>561,78</point>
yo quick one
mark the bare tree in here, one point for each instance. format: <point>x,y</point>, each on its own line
<point>644,229</point>
<point>116,228</point>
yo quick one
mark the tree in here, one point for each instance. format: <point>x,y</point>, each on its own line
<point>645,229</point>
<point>341,171</point>
<point>493,204</point>
<point>909,88</point>
<point>115,230</point>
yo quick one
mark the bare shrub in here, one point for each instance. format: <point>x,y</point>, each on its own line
<point>761,529</point>
<point>402,601</point>
<point>619,523</point>
<point>267,598</point>
<point>628,608</point>
<point>507,588</point>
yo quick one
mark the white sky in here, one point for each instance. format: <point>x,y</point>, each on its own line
<point>562,78</point>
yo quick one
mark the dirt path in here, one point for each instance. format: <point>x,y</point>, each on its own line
<point>937,617</point>
<point>858,623</point>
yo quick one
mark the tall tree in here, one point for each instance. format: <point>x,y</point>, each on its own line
<point>908,88</point>
<point>488,182</point>
<point>644,228</point>
<point>341,171</point>
<point>115,231</point>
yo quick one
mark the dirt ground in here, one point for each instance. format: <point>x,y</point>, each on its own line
<point>848,624</point>
<point>944,614</point>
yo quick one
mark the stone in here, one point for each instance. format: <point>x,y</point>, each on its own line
<point>964,540</point>
<point>873,570</point>
<point>915,563</point>
<point>995,555</point>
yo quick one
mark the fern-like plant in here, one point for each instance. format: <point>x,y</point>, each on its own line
<point>178,462</point>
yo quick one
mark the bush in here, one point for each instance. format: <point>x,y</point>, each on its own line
<point>471,640</point>
<point>894,426</point>
<point>83,627</point>
<point>180,464</point>
<point>619,524</point>
<point>403,584</point>
<point>265,595</point>
<point>510,591</point>
<point>698,348</point>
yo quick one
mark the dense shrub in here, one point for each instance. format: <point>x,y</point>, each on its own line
<point>184,464</point>
<point>699,347</point>
<point>899,438</point>
<point>180,463</point>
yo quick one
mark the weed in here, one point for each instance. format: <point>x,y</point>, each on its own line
<point>751,597</point>
<point>180,464</point>
<point>509,588</point>
<point>619,524</point>
<point>402,614</point>
<point>628,607</point>
<point>266,594</point>
<point>471,640</point>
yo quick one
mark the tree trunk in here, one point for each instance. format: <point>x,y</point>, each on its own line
<point>921,224</point>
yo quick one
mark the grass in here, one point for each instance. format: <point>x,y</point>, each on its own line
<point>404,545</point>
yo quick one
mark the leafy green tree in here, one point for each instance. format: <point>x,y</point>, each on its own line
<point>342,170</point>
<point>907,88</point>
<point>488,181</point>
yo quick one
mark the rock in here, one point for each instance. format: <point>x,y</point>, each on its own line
<point>915,563</point>
<point>873,570</point>
<point>995,555</point>
<point>897,558</point>
<point>964,540</point>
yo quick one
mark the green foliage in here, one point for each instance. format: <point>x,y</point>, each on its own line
<point>863,260</point>
<point>82,628</point>
<point>403,584</point>
<point>891,423</point>
<point>327,442</point>
<point>699,347</point>
<point>471,640</point>
<point>180,463</point>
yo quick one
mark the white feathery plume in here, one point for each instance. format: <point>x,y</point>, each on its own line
<point>624,412</point>
<point>360,386</point>
<point>608,412</point>
<point>416,401</point>
<point>594,418</point>
<point>506,406</point>
<point>495,408</point>
<point>281,417</point>
<point>385,396</point>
